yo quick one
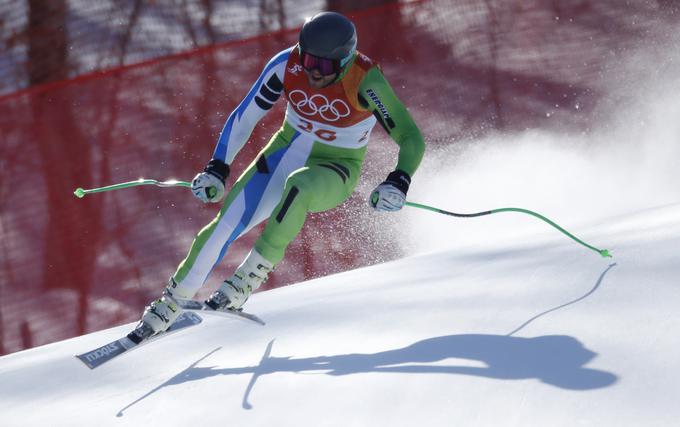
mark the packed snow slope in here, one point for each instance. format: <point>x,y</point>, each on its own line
<point>533,334</point>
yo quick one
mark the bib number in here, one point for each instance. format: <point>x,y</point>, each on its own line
<point>324,134</point>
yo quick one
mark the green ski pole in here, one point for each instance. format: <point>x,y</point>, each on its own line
<point>603,252</point>
<point>80,193</point>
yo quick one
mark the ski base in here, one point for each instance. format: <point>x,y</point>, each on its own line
<point>194,305</point>
<point>97,357</point>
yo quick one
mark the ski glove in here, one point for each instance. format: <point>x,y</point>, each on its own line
<point>208,185</point>
<point>390,195</point>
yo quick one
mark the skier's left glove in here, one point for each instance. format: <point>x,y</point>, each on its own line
<point>390,195</point>
<point>208,185</point>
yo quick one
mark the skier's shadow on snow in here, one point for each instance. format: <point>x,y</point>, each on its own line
<point>556,360</point>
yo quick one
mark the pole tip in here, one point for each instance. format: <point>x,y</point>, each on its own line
<point>605,253</point>
<point>79,193</point>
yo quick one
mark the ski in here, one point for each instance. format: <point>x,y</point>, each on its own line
<point>98,356</point>
<point>194,305</point>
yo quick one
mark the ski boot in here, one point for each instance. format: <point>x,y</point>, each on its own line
<point>234,292</point>
<point>157,317</point>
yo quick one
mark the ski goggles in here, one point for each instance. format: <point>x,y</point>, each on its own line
<point>325,66</point>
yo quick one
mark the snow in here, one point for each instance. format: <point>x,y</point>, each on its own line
<point>543,333</point>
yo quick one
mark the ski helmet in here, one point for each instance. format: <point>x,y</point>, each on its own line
<point>329,35</point>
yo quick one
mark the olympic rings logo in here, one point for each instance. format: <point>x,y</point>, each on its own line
<point>318,104</point>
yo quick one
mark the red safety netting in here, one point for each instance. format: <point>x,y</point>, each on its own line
<point>96,35</point>
<point>463,68</point>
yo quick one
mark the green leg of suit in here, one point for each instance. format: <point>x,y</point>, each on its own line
<point>322,184</point>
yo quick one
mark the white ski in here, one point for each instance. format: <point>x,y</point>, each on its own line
<point>194,305</point>
<point>97,357</point>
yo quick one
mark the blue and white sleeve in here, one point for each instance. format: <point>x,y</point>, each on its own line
<point>259,100</point>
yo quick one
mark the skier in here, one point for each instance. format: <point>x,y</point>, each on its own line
<point>334,95</point>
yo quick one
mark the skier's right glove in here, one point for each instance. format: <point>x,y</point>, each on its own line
<point>208,185</point>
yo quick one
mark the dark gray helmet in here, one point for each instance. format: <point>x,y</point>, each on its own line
<point>329,35</point>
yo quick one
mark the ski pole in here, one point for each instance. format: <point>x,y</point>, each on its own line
<point>80,193</point>
<point>603,252</point>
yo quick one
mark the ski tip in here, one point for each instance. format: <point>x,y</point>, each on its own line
<point>258,321</point>
<point>248,316</point>
<point>79,193</point>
